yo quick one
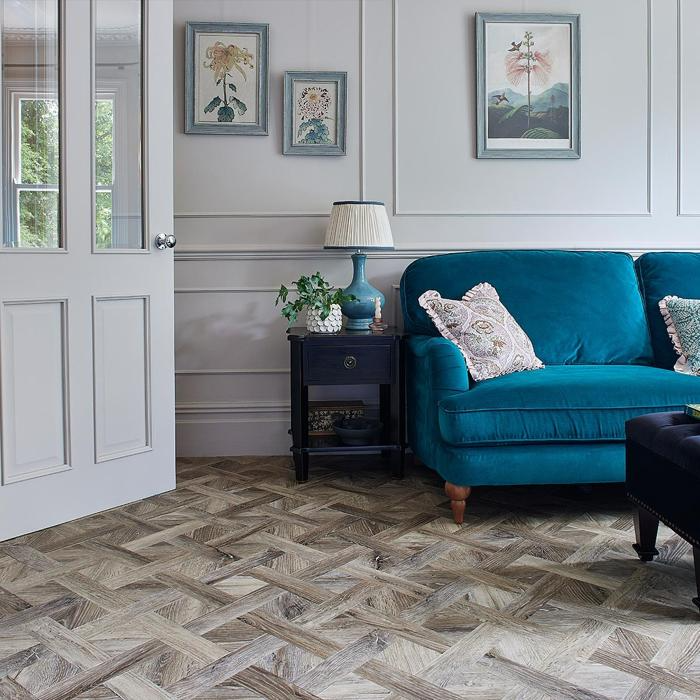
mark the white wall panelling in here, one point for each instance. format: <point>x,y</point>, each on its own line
<point>306,35</point>
<point>121,376</point>
<point>34,389</point>
<point>432,139</point>
<point>249,218</point>
<point>688,109</point>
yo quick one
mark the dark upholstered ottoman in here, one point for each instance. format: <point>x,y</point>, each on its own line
<point>663,480</point>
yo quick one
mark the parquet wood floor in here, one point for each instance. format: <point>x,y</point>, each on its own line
<point>243,584</point>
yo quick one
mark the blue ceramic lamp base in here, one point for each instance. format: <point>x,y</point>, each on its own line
<point>360,312</point>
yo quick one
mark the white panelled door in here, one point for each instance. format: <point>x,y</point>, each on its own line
<point>86,297</point>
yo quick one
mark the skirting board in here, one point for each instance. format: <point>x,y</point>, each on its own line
<point>203,430</point>
<point>210,436</point>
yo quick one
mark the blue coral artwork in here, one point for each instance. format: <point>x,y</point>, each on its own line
<point>314,113</point>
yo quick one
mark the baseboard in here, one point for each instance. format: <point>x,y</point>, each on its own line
<point>239,428</point>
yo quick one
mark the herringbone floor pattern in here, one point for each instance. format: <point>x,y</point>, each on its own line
<point>243,584</point>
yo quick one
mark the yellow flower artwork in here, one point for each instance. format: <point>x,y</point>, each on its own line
<point>226,78</point>
<point>222,60</point>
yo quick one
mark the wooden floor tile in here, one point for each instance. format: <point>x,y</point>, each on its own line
<point>244,584</point>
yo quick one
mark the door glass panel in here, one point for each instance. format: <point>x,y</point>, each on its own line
<point>30,115</point>
<point>118,124</point>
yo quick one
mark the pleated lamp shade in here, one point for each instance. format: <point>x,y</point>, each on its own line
<point>359,225</point>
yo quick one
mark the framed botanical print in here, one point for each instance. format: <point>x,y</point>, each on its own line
<point>528,100</point>
<point>226,78</point>
<point>314,113</point>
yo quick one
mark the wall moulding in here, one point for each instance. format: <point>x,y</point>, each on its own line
<point>680,117</point>
<point>226,290</point>
<point>213,253</point>
<point>208,253</point>
<point>231,407</point>
<point>251,215</point>
<point>224,372</point>
<point>399,211</point>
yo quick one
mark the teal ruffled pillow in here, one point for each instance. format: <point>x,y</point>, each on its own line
<point>682,317</point>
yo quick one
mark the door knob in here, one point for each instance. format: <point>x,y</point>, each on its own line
<point>162,241</point>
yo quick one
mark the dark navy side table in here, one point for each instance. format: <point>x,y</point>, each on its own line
<point>346,358</point>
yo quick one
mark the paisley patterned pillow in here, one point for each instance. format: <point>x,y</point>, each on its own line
<point>682,318</point>
<point>490,339</point>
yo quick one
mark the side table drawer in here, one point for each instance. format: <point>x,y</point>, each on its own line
<point>348,364</point>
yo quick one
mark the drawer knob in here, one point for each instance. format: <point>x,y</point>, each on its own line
<point>350,362</point>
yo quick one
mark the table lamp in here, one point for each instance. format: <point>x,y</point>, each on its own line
<point>359,226</point>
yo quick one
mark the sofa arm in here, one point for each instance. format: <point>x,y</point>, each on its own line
<point>443,361</point>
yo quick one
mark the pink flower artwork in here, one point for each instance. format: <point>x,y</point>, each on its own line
<point>527,66</point>
<point>528,70</point>
<point>524,63</point>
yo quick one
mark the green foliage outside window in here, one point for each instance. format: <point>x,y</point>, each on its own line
<point>39,157</point>
<point>104,149</point>
<point>39,222</point>
<point>38,210</point>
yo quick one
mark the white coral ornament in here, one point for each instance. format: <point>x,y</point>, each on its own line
<point>332,324</point>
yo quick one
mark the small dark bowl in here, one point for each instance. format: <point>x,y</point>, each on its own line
<point>356,432</point>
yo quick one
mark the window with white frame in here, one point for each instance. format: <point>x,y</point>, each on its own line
<point>30,191</point>
<point>32,198</point>
<point>104,171</point>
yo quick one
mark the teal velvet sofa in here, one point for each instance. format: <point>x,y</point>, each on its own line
<point>593,320</point>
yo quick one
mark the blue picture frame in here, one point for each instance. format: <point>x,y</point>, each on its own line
<point>486,145</point>
<point>311,136</point>
<point>228,107</point>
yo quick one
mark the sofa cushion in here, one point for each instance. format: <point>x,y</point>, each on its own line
<point>489,338</point>
<point>576,307</point>
<point>562,404</point>
<point>661,275</point>
<point>682,319</point>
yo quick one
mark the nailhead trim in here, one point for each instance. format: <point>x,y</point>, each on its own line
<point>665,520</point>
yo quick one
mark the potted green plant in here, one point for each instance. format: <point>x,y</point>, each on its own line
<point>320,300</point>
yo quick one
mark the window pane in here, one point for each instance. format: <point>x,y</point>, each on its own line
<point>39,141</point>
<point>119,220</point>
<point>29,40</point>
<point>103,219</point>
<point>104,141</point>
<point>38,218</point>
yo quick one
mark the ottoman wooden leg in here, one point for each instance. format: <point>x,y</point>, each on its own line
<point>646,526</point>
<point>696,556</point>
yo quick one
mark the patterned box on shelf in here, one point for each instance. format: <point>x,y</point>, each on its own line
<point>322,415</point>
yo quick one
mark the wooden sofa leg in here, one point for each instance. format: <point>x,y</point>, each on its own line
<point>458,500</point>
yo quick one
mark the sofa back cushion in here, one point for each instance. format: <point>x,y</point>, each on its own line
<point>660,275</point>
<point>576,307</point>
